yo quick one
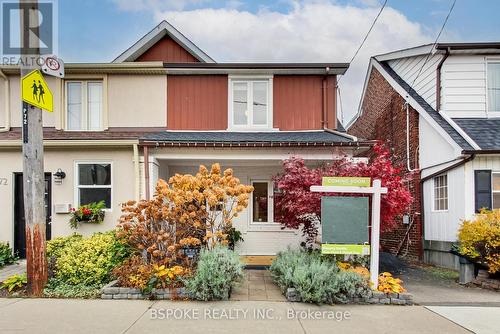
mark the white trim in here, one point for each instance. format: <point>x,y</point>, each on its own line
<point>76,181</point>
<point>405,53</point>
<point>158,32</point>
<point>488,60</point>
<point>415,105</point>
<point>84,104</point>
<point>249,80</point>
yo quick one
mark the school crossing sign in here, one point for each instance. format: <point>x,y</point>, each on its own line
<point>35,91</point>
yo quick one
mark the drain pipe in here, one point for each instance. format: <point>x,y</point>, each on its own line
<point>438,79</point>
<point>136,173</point>
<point>6,127</point>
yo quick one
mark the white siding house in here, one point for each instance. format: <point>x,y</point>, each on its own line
<point>459,139</point>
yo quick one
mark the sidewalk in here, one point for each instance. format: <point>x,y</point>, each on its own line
<point>13,269</point>
<point>109,316</point>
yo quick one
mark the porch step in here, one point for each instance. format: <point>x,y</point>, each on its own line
<point>258,260</point>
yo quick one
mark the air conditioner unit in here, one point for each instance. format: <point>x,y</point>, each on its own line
<point>62,208</point>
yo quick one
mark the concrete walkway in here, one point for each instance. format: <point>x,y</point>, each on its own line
<point>258,285</point>
<point>480,320</point>
<point>13,269</point>
<point>115,316</point>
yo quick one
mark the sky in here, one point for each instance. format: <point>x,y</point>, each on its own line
<point>276,31</point>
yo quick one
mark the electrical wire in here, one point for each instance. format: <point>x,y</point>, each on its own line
<point>435,42</point>
<point>367,34</point>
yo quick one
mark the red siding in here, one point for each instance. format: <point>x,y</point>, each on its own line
<point>197,102</point>
<point>298,102</point>
<point>168,51</point>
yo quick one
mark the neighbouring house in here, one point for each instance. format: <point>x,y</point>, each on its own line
<point>438,108</point>
<point>164,107</point>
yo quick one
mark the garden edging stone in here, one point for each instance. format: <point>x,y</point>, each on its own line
<point>375,297</point>
<point>111,291</point>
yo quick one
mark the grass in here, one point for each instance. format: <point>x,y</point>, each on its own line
<point>442,273</point>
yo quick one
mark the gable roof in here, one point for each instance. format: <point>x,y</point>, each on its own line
<point>157,33</point>
<point>437,117</point>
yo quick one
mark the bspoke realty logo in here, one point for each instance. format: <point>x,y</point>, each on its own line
<point>27,29</point>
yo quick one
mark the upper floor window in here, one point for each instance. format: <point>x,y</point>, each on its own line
<point>493,86</point>
<point>441,193</point>
<point>84,105</point>
<point>250,103</point>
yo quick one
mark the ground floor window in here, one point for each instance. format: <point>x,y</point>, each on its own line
<point>441,193</point>
<point>93,183</point>
<point>495,186</point>
<point>262,203</point>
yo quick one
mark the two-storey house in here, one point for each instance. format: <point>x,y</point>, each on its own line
<point>164,107</point>
<point>438,108</point>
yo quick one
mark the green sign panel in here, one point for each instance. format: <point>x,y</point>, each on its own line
<point>346,181</point>
<point>344,220</point>
<point>345,249</point>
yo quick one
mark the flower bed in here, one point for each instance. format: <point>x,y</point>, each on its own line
<point>114,291</point>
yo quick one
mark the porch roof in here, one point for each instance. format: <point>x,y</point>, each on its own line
<point>251,139</point>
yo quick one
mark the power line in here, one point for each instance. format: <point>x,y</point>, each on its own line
<point>367,34</point>
<point>435,42</point>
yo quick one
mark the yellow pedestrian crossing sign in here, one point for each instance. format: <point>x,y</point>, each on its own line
<point>36,92</point>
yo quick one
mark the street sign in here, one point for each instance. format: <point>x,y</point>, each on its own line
<point>53,66</point>
<point>345,249</point>
<point>341,181</point>
<point>36,92</point>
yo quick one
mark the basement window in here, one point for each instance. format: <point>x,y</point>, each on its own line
<point>441,193</point>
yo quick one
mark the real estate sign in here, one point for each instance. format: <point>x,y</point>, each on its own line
<point>345,249</point>
<point>344,181</point>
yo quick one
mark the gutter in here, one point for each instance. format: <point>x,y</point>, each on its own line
<point>441,171</point>
<point>158,143</point>
<point>6,127</point>
<point>438,79</point>
<point>492,151</point>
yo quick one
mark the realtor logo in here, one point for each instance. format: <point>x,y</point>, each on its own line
<point>15,38</point>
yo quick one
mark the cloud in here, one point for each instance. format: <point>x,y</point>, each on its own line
<point>310,31</point>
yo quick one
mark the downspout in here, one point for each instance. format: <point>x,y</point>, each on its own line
<point>324,116</point>
<point>136,172</point>
<point>6,127</point>
<point>438,79</point>
<point>146,171</point>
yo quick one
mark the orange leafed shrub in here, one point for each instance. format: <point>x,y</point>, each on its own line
<point>389,284</point>
<point>187,211</point>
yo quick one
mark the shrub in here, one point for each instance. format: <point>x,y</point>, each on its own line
<point>389,284</point>
<point>58,289</point>
<point>218,270</point>
<point>479,239</point>
<point>6,254</point>
<point>14,282</point>
<point>55,247</point>
<point>317,279</point>
<point>87,261</point>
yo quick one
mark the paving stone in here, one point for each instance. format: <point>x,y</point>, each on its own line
<point>384,301</point>
<point>405,295</point>
<point>120,296</point>
<point>106,296</point>
<point>378,294</point>
<point>396,301</point>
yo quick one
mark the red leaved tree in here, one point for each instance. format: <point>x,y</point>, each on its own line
<point>298,207</point>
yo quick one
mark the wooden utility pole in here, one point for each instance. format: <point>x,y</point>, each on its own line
<point>33,171</point>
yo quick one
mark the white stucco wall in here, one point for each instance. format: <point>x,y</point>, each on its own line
<point>122,180</point>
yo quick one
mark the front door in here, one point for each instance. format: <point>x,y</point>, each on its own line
<point>19,222</point>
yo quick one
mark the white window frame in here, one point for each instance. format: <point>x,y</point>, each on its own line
<point>434,208</point>
<point>77,185</point>
<point>84,83</point>
<point>270,203</point>
<point>489,60</point>
<point>493,191</point>
<point>250,79</point>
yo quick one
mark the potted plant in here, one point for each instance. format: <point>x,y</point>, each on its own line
<point>92,213</point>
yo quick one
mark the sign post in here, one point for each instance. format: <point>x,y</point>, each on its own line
<point>376,190</point>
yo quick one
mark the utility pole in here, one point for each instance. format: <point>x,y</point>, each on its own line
<point>33,171</point>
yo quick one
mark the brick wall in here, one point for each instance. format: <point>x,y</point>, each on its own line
<point>384,118</point>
